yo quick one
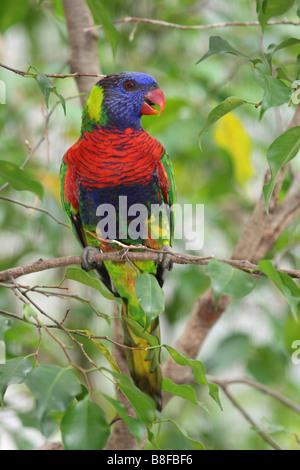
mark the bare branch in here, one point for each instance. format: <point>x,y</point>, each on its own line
<point>83,44</point>
<point>151,255</point>
<point>262,388</point>
<point>166,24</point>
<point>248,418</point>
<point>28,206</point>
<point>51,75</point>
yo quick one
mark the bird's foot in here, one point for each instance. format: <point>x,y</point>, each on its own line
<point>88,264</point>
<point>164,259</point>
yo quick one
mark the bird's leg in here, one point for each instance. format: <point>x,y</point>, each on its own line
<point>164,259</point>
<point>87,259</point>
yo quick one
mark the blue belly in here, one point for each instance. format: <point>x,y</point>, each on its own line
<point>93,201</point>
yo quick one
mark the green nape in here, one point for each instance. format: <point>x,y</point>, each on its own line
<point>93,111</point>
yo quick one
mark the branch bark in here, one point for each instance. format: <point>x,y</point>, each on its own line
<point>50,75</point>
<point>198,27</point>
<point>152,255</point>
<point>83,44</point>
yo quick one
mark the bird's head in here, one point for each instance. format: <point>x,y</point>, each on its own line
<point>119,100</point>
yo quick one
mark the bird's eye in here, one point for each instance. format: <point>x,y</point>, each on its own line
<point>130,85</point>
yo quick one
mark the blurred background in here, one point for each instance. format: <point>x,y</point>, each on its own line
<point>254,337</point>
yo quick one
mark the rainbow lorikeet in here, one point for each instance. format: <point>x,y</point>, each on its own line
<point>115,160</point>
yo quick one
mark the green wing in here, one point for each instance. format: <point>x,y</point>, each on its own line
<point>168,167</point>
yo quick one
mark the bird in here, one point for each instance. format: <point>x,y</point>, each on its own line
<point>115,160</point>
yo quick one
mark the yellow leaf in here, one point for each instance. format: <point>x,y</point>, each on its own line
<point>50,181</point>
<point>104,351</point>
<point>230,135</point>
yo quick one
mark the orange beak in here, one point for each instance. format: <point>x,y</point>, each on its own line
<point>152,98</point>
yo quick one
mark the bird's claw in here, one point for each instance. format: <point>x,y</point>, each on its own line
<point>164,259</point>
<point>87,259</point>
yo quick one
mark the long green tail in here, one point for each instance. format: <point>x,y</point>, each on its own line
<point>144,365</point>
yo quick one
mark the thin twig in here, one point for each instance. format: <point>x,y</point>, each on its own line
<point>166,24</point>
<point>28,206</point>
<point>11,315</point>
<point>63,346</point>
<point>51,75</point>
<point>27,160</point>
<point>63,296</point>
<point>248,418</point>
<point>120,345</point>
<point>262,388</point>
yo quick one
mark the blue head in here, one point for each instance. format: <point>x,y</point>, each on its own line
<point>119,100</point>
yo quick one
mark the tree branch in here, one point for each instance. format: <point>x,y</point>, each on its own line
<point>83,44</point>
<point>166,24</point>
<point>262,388</point>
<point>126,255</point>
<point>39,209</point>
<point>248,418</point>
<point>51,75</point>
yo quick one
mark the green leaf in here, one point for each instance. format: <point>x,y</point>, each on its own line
<point>106,353</point>
<point>47,87</point>
<point>151,339</point>
<point>280,152</point>
<point>285,284</point>
<point>217,45</point>
<point>79,275</point>
<point>266,9</point>
<point>196,445</point>
<point>231,350</point>
<point>273,428</point>
<point>101,17</point>
<point>5,324</point>
<point>14,371</point>
<point>198,370</point>
<point>272,48</point>
<point>61,99</point>
<point>219,111</point>
<point>276,92</point>
<point>135,426</point>
<point>84,427</point>
<point>96,310</point>
<point>13,13</point>
<point>150,295</point>
<point>44,84</point>
<point>280,73</point>
<point>144,405</point>
<point>53,387</point>
<point>28,312</point>
<point>19,179</point>
<point>140,331</point>
<point>184,391</point>
<point>228,280</point>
